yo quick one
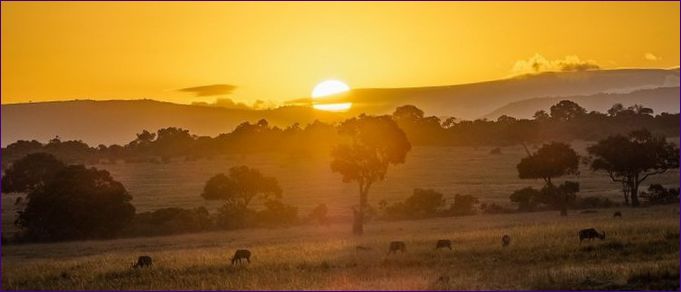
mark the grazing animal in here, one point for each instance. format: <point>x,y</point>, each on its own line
<point>241,254</point>
<point>362,248</point>
<point>505,240</point>
<point>397,246</point>
<point>142,262</point>
<point>590,234</point>
<point>442,243</point>
<point>617,214</point>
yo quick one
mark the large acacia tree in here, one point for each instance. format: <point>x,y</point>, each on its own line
<point>551,161</point>
<point>631,159</point>
<point>373,143</point>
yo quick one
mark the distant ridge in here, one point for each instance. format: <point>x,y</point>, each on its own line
<point>117,121</point>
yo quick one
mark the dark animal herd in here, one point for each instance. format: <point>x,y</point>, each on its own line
<point>393,248</point>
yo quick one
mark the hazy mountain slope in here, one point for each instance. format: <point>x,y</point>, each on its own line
<point>117,121</point>
<point>471,101</point>
<point>665,99</point>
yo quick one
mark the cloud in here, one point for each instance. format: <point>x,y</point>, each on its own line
<point>210,90</point>
<point>651,57</point>
<point>224,103</point>
<point>231,104</point>
<point>539,63</point>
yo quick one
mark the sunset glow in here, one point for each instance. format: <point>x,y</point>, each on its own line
<point>327,88</point>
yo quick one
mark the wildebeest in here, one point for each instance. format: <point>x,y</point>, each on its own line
<point>442,243</point>
<point>241,254</point>
<point>362,248</point>
<point>617,214</point>
<point>590,234</point>
<point>397,246</point>
<point>505,240</point>
<point>142,261</point>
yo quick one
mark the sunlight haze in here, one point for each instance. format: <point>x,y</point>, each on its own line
<point>279,51</point>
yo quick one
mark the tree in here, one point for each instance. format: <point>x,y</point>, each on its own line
<point>408,113</point>
<point>541,115</point>
<point>423,203</point>
<point>463,205</point>
<point>77,203</point>
<point>527,198</point>
<point>631,159</point>
<point>375,143</point>
<point>567,110</point>
<point>551,161</point>
<point>30,173</point>
<point>239,188</point>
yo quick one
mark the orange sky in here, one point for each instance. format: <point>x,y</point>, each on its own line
<point>280,51</point>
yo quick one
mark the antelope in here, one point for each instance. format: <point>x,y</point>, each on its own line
<point>397,246</point>
<point>505,240</point>
<point>241,254</point>
<point>142,261</point>
<point>590,234</point>
<point>442,243</point>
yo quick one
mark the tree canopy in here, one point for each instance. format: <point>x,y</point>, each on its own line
<point>631,159</point>
<point>375,142</point>
<point>77,203</point>
<point>241,186</point>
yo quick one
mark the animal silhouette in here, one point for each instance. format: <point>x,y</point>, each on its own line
<point>590,234</point>
<point>241,254</point>
<point>505,240</point>
<point>142,262</point>
<point>397,246</point>
<point>617,214</point>
<point>443,243</point>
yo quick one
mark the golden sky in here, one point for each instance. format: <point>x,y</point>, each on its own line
<point>280,51</point>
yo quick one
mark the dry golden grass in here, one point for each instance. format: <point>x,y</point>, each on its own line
<point>640,250</point>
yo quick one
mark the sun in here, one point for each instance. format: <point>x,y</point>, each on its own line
<point>327,88</point>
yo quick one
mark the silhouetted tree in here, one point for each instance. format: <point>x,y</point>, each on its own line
<point>240,187</point>
<point>631,159</point>
<point>375,143</point>
<point>30,173</point>
<point>527,198</point>
<point>319,214</point>
<point>463,205</point>
<point>658,194</point>
<point>76,203</point>
<point>567,110</point>
<point>550,161</point>
<point>408,112</point>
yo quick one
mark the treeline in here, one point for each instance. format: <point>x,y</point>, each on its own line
<point>565,121</point>
<point>74,202</point>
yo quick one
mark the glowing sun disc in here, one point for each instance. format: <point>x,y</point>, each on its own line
<point>329,87</point>
<point>326,88</point>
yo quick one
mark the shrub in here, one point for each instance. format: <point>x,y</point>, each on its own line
<point>659,195</point>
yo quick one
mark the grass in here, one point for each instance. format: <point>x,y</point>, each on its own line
<point>641,251</point>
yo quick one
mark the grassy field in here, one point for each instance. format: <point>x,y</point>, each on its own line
<point>309,181</point>
<point>641,251</point>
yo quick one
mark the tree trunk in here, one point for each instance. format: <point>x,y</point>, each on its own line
<point>634,193</point>
<point>358,222</point>
<point>563,204</point>
<point>625,191</point>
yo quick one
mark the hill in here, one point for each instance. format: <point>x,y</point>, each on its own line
<point>664,99</point>
<point>117,121</point>
<point>475,100</point>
